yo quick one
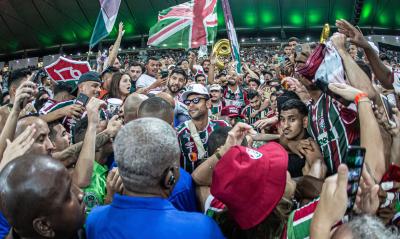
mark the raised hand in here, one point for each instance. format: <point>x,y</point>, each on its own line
<point>121,30</point>
<point>347,92</point>
<point>24,95</point>
<point>21,145</point>
<point>354,35</point>
<point>92,109</point>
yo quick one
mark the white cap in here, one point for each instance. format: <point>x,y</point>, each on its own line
<point>215,87</point>
<point>198,89</point>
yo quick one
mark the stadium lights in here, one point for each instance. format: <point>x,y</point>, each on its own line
<point>308,38</point>
<point>180,43</point>
<point>397,38</point>
<point>119,49</point>
<point>382,37</point>
<point>273,39</point>
<point>242,39</point>
<point>258,39</point>
<point>79,54</point>
<point>164,45</point>
<point>369,37</point>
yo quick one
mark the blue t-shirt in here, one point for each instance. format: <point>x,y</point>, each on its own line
<point>139,217</point>
<point>183,197</point>
<point>4,226</point>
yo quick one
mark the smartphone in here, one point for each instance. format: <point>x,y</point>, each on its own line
<point>164,74</point>
<point>354,161</point>
<point>388,109</point>
<point>82,99</point>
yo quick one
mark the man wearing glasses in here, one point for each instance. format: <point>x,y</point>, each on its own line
<point>193,134</point>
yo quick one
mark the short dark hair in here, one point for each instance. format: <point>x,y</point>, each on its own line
<point>294,39</point>
<point>294,104</point>
<point>62,87</point>
<point>152,58</point>
<point>256,81</point>
<point>267,72</point>
<point>180,71</point>
<point>136,63</point>
<point>285,45</point>
<point>156,107</point>
<point>53,132</point>
<point>197,76</point>
<point>287,95</point>
<point>220,75</point>
<point>17,75</point>
<point>252,93</point>
<point>218,137</point>
<point>205,60</point>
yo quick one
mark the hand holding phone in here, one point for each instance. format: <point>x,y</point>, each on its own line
<point>388,109</point>
<point>82,99</point>
<point>355,162</point>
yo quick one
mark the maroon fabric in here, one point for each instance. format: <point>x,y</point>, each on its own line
<point>251,182</point>
<point>313,63</point>
<point>231,111</point>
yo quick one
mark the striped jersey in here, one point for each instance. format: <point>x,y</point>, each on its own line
<point>216,109</point>
<point>334,127</point>
<point>189,159</point>
<point>237,98</point>
<point>248,110</point>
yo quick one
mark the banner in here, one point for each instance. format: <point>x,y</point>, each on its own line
<point>230,28</point>
<point>67,70</point>
<point>187,25</point>
<point>105,21</point>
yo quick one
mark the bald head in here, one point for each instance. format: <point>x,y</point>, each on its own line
<point>157,107</point>
<point>167,97</point>
<point>34,192</point>
<point>144,149</point>
<point>131,106</point>
<point>42,144</point>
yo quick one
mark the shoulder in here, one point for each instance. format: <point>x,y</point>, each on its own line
<point>96,215</point>
<point>182,128</point>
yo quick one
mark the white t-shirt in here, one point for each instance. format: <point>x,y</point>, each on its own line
<point>145,81</point>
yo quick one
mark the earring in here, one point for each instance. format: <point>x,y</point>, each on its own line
<point>171,180</point>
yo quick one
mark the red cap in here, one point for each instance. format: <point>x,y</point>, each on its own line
<point>231,111</point>
<point>251,182</point>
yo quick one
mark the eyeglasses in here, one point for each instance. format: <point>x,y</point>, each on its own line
<point>194,100</point>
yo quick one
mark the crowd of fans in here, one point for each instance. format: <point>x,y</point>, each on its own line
<point>173,146</point>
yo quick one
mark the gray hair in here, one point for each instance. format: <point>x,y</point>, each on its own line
<point>369,227</point>
<point>144,149</point>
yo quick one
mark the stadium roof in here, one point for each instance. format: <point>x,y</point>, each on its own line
<point>42,24</point>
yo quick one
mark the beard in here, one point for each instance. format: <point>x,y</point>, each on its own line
<point>173,88</point>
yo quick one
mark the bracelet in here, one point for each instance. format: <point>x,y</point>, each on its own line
<point>359,96</point>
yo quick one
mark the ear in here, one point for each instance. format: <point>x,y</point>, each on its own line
<point>305,122</point>
<point>43,227</point>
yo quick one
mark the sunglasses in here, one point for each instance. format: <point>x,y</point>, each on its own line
<point>194,101</point>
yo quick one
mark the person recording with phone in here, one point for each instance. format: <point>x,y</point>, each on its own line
<point>69,111</point>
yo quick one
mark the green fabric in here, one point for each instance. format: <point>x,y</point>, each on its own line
<point>95,193</point>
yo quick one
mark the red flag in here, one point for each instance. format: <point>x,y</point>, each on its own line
<point>66,69</point>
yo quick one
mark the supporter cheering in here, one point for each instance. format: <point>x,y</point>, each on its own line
<point>120,86</point>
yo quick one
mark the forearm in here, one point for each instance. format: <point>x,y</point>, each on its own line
<point>84,166</point>
<point>382,73</point>
<point>395,151</point>
<point>266,137</point>
<point>252,74</point>
<point>319,229</point>
<point>211,75</point>
<point>202,175</point>
<point>74,150</point>
<point>114,51</point>
<point>356,76</point>
<point>8,131</point>
<point>371,139</point>
<point>53,116</point>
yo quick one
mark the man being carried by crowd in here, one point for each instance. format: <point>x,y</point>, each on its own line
<point>193,134</point>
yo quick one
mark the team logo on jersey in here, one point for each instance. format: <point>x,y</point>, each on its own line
<point>186,135</point>
<point>253,154</point>
<point>321,123</point>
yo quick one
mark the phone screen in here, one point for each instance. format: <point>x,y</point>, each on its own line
<point>354,162</point>
<point>82,99</point>
<point>388,109</point>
